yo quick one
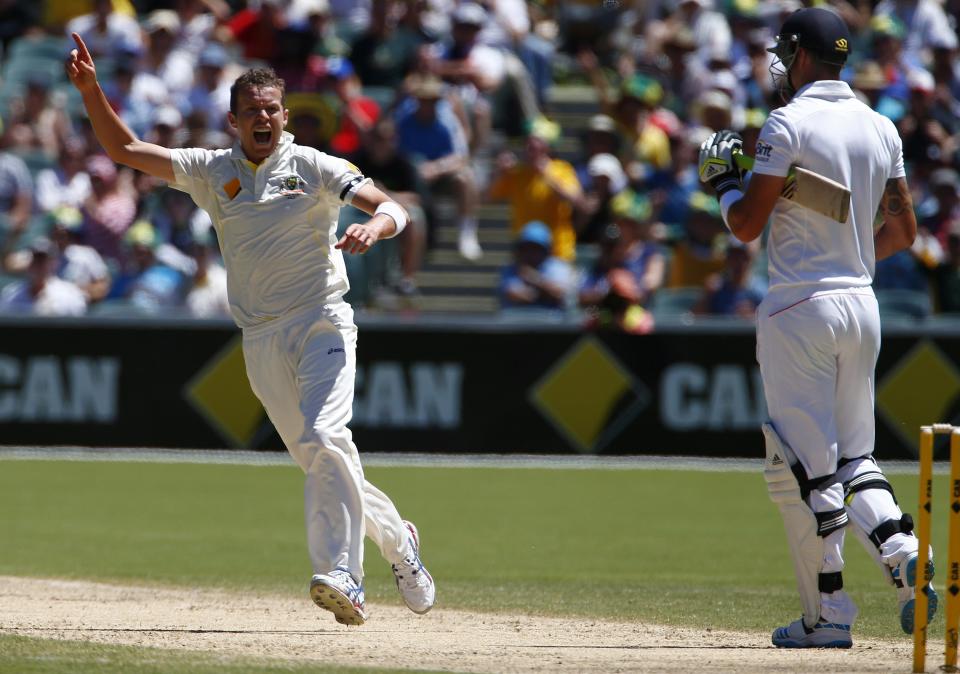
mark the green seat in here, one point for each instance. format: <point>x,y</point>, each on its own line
<point>903,303</point>
<point>675,301</point>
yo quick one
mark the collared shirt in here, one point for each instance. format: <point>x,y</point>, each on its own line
<point>276,223</point>
<point>825,129</point>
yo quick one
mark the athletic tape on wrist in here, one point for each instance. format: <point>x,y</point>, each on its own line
<point>726,201</point>
<point>395,211</point>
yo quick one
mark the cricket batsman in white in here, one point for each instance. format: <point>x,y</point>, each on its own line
<point>818,329</point>
<point>275,206</point>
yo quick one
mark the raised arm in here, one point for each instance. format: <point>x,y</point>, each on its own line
<point>119,142</point>
<point>899,227</point>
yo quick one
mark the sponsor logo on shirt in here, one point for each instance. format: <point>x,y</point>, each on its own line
<point>763,151</point>
<point>334,350</point>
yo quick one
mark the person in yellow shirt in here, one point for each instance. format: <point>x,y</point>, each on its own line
<point>540,188</point>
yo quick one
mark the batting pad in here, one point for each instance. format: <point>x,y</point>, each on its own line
<point>806,547</point>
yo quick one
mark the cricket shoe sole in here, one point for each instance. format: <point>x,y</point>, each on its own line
<point>329,593</point>
<point>908,607</point>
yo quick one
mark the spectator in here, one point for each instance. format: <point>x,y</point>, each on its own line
<point>198,22</point>
<point>109,211</point>
<point>927,128</point>
<point>710,29</point>
<point>207,295</point>
<point>395,174</point>
<point>940,212</point>
<point>41,293</point>
<point>358,113</point>
<point>734,291</point>
<point>610,292</point>
<point>106,32</point>
<point>80,265</point>
<point>210,92</point>
<point>165,57</point>
<point>135,95</point>
<point>925,23</point>
<point>600,138</point>
<point>946,277</point>
<point>145,282</point>
<point>700,252</point>
<point>257,30</point>
<point>432,137</point>
<point>632,214</point>
<point>473,70</point>
<point>536,279</point>
<point>540,188</point>
<point>16,193</point>
<point>593,214</point>
<point>66,184</point>
<point>385,52</point>
<point>673,187</point>
<point>34,123</point>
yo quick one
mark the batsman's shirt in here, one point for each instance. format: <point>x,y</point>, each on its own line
<point>276,223</point>
<point>827,130</point>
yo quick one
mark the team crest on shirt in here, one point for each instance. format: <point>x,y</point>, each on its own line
<point>291,185</point>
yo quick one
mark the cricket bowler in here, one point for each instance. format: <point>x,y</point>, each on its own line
<point>275,206</point>
<point>818,329</point>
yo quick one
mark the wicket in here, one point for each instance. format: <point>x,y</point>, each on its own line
<point>927,434</point>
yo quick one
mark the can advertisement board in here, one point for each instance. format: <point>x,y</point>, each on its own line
<point>441,389</point>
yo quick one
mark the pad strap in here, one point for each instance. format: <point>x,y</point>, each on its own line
<point>890,527</point>
<point>871,480</point>
<point>830,582</point>
<point>830,521</point>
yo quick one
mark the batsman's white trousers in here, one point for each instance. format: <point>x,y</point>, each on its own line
<point>817,358</point>
<point>302,368</point>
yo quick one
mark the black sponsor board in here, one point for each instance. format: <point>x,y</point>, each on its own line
<point>442,388</point>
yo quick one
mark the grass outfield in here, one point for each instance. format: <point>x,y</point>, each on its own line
<point>675,547</point>
<point>48,656</point>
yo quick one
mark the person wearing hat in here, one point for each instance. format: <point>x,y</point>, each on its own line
<point>105,31</point>
<point>210,92</point>
<point>275,206</point>
<point>80,264</point>
<point>633,213</point>
<point>385,51</point>
<point>940,212</point>
<point>610,292</point>
<point>41,293</point>
<point>540,187</point>
<point>592,213</point>
<point>925,25</point>
<point>164,56</point>
<point>600,137</point>
<point>734,291</point>
<point>109,211</point>
<point>472,70</point>
<point>431,134</point>
<point>536,279</point>
<point>818,328</point>
<point>134,93</point>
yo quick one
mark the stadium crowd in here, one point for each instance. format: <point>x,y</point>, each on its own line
<point>447,101</point>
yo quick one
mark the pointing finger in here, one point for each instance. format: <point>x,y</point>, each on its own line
<point>84,53</point>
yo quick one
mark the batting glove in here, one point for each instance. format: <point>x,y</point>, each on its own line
<point>718,164</point>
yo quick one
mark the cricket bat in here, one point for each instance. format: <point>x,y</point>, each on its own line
<point>811,190</point>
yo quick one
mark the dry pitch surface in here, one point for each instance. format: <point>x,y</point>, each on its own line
<point>261,625</point>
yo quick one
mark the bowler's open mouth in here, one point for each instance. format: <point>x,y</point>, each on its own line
<point>262,137</point>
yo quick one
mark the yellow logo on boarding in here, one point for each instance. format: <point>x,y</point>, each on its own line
<point>842,45</point>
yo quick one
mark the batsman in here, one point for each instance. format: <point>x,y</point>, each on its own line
<point>818,329</point>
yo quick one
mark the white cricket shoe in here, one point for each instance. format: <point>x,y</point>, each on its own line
<point>413,580</point>
<point>340,594</point>
<point>822,635</point>
<point>905,578</point>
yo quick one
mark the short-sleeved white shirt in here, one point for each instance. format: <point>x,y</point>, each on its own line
<point>57,298</point>
<point>825,129</point>
<point>277,225</point>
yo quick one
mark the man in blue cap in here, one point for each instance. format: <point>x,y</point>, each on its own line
<point>536,278</point>
<point>818,329</point>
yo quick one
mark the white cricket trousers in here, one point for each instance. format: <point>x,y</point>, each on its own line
<point>817,359</point>
<point>302,368</point>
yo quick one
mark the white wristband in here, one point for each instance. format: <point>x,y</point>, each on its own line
<point>395,211</point>
<point>726,201</point>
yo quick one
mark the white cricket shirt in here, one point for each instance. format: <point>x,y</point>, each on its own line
<point>277,224</point>
<point>825,129</point>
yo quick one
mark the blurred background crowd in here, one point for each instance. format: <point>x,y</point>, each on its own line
<point>546,150</point>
